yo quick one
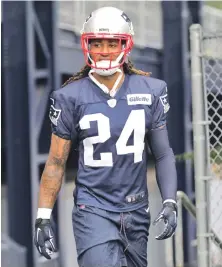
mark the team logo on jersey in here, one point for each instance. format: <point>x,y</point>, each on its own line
<point>139,99</point>
<point>54,113</point>
<point>164,102</point>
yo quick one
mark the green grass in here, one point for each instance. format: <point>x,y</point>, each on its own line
<point>215,155</point>
<point>216,4</point>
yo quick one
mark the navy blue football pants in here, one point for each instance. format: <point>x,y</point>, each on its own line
<point>110,239</point>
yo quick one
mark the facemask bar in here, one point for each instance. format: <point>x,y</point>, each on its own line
<point>112,63</point>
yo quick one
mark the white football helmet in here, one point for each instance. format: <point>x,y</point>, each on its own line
<point>107,23</point>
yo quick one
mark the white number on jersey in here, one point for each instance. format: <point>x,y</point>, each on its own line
<point>135,123</point>
<point>103,135</point>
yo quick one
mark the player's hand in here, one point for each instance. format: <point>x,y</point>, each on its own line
<point>169,215</point>
<point>44,238</point>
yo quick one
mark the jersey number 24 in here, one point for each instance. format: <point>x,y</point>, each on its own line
<point>135,123</point>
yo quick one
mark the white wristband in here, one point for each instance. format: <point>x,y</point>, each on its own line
<point>169,200</point>
<point>44,213</point>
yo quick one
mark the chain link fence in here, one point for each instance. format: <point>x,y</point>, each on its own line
<point>206,65</point>
<point>212,81</point>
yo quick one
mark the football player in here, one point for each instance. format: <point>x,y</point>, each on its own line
<point>111,111</point>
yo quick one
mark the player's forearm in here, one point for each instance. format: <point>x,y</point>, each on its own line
<point>51,182</point>
<point>164,162</point>
<point>166,176</point>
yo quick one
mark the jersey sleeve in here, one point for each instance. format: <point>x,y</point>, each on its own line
<point>160,107</point>
<point>61,114</point>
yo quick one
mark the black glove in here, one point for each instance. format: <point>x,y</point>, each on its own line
<point>44,238</point>
<point>169,215</point>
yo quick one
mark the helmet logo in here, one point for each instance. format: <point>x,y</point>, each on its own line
<point>125,17</point>
<point>88,17</point>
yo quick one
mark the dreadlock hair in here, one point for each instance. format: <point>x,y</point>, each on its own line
<point>128,68</point>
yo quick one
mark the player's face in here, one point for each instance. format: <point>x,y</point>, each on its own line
<point>104,49</point>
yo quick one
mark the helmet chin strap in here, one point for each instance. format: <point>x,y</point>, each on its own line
<point>111,92</point>
<point>102,67</point>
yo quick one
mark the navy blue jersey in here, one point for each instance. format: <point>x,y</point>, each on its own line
<point>110,134</point>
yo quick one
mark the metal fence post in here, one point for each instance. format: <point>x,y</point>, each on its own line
<point>179,255</point>
<point>199,145</point>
